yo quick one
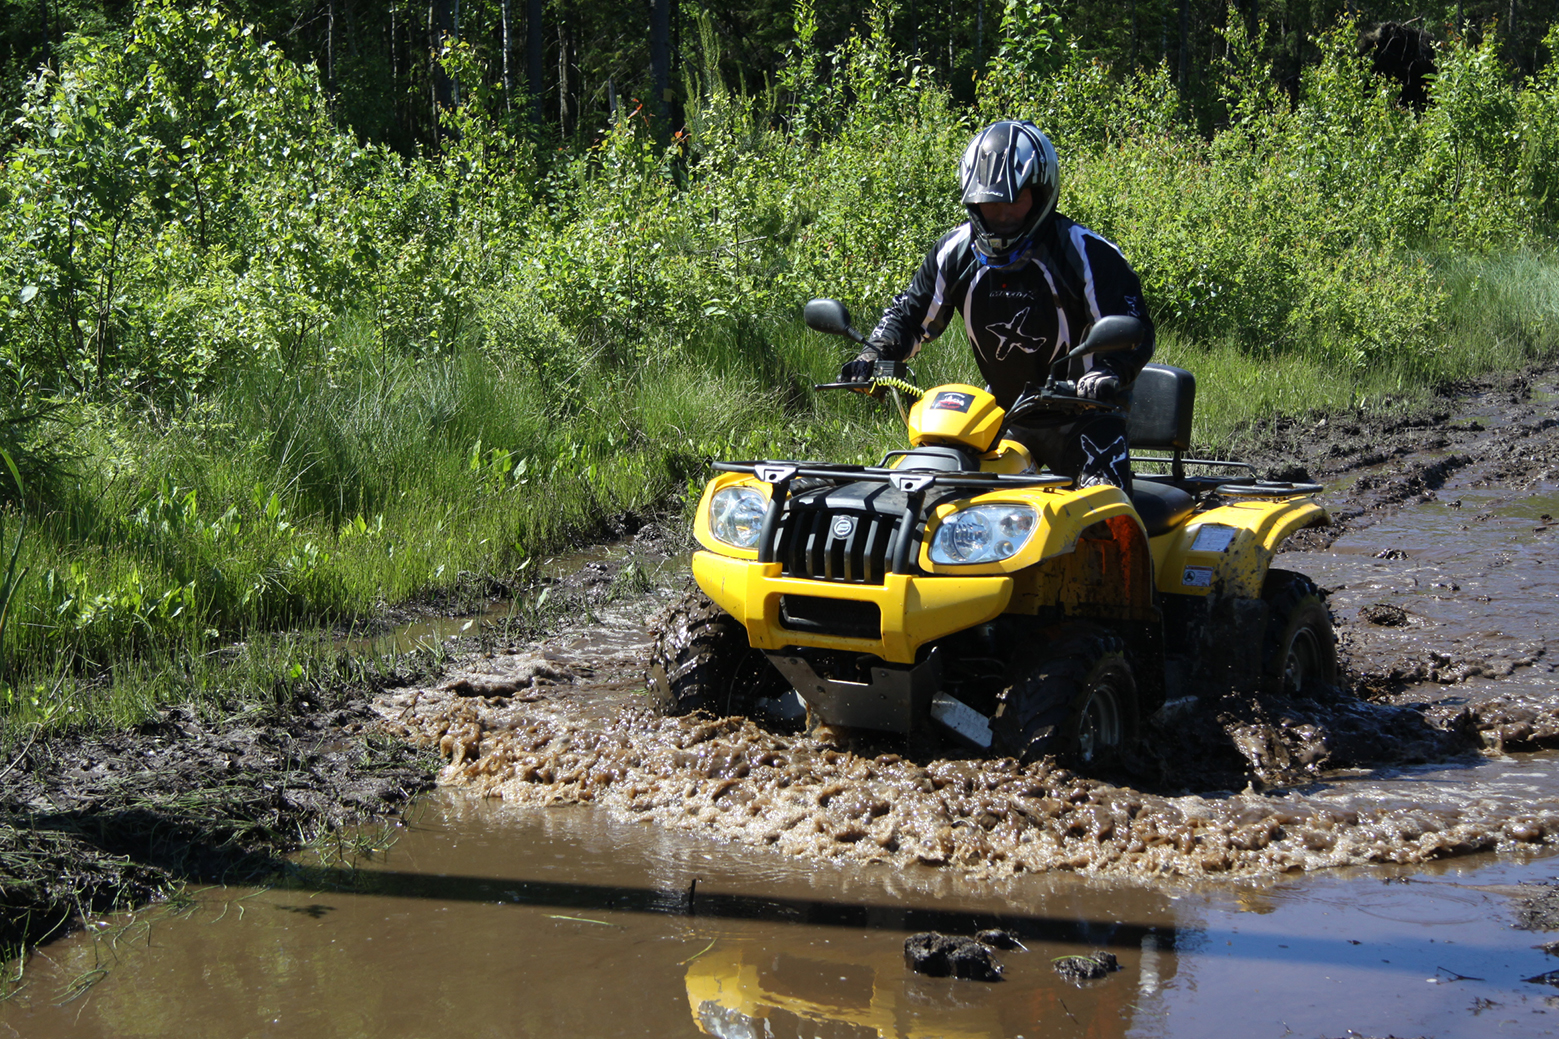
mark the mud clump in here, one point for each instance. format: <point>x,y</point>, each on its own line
<point>1539,910</point>
<point>998,939</point>
<point>945,955</point>
<point>92,823</point>
<point>1385,615</point>
<point>1092,967</point>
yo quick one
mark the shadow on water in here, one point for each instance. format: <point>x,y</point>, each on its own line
<point>718,905</point>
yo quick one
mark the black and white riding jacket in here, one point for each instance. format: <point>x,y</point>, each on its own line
<point>1021,317</point>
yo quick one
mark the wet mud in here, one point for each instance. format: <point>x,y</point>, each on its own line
<point>1438,571</point>
<point>99,822</point>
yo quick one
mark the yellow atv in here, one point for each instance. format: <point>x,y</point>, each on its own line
<point>954,589</point>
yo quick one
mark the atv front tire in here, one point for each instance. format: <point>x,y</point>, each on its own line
<point>701,660</point>
<point>1075,698</point>
<point>1300,651</point>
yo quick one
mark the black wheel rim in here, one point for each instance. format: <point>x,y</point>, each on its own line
<point>1303,662</point>
<point>1098,724</point>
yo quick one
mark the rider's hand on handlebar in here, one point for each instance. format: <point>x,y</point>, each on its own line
<point>860,369</point>
<point>1097,384</point>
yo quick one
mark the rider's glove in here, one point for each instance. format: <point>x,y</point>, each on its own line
<point>860,369</point>
<point>1098,384</point>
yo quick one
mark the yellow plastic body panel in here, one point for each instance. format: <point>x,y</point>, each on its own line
<point>955,414</point>
<point>915,609</point>
<point>701,520</point>
<point>1228,549</point>
<point>1009,457</point>
<point>1064,514</point>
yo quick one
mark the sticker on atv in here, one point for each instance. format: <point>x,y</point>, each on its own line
<point>947,401</point>
<point>1197,577</point>
<point>1212,537</point>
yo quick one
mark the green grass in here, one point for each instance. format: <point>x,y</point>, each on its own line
<point>312,498</point>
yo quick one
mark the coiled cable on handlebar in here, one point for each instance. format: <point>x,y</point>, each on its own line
<point>890,383</point>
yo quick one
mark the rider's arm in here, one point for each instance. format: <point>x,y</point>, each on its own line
<point>922,311</point>
<point>1112,287</point>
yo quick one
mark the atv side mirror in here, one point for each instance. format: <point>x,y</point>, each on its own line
<point>830,315</point>
<point>1111,334</point>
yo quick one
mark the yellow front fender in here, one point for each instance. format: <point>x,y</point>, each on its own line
<point>914,609</point>
<point>1229,548</point>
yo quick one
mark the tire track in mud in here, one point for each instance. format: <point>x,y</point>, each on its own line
<point>567,724</point>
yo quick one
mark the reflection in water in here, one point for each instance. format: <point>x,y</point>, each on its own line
<point>758,991</point>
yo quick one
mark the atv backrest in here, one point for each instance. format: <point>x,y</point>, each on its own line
<point>1162,401</point>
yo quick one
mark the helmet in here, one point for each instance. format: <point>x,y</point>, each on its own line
<point>999,163</point>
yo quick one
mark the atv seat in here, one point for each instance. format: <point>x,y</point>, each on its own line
<point>1161,506</point>
<point>1162,401</point>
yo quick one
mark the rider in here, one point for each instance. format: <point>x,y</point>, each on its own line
<point>1030,284</point>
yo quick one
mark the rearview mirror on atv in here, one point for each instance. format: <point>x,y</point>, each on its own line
<point>1111,334</point>
<point>831,316</point>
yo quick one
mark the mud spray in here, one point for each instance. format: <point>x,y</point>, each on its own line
<point>1444,578</point>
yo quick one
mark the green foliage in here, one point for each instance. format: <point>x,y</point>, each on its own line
<point>261,375</point>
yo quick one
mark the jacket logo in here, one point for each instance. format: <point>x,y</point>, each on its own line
<point>1009,334</point>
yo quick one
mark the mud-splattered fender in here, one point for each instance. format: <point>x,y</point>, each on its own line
<point>1229,548</point>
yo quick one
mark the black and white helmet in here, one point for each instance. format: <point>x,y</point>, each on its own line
<point>999,163</point>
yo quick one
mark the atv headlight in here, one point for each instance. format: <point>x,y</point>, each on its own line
<point>983,534</point>
<point>736,516</point>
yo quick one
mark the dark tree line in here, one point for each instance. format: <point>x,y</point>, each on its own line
<point>564,66</point>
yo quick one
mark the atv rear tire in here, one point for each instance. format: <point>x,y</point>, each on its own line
<point>1075,698</point>
<point>701,660</point>
<point>1300,651</point>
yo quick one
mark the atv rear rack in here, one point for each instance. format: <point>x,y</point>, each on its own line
<point>913,483</point>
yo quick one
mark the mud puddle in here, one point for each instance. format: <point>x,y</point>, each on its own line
<point>564,921</point>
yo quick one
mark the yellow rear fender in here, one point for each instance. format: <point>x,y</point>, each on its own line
<point>701,520</point>
<point>1228,549</point>
<point>1064,514</point>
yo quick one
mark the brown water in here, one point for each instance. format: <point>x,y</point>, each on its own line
<point>486,920</point>
<point>1373,898</point>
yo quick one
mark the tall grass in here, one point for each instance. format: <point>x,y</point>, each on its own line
<point>257,386</point>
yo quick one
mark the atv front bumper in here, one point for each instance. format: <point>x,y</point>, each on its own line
<point>910,610</point>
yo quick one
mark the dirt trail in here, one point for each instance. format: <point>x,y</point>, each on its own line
<point>1224,786</point>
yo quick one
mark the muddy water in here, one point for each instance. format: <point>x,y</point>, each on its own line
<point>1341,865</point>
<point>488,920</point>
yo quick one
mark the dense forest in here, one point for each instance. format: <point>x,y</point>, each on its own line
<point>563,67</point>
<point>312,308</point>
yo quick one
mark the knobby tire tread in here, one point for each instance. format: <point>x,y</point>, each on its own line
<point>698,648</point>
<point>1288,593</point>
<point>1044,690</point>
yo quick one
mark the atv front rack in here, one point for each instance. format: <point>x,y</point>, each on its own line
<point>913,483</point>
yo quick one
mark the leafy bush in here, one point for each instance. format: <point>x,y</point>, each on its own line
<point>302,376</point>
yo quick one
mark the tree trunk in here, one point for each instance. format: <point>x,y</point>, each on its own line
<point>444,27</point>
<point>535,57</point>
<point>660,66</point>
<point>507,46</point>
<point>563,78</point>
<point>1185,58</point>
<point>979,35</point>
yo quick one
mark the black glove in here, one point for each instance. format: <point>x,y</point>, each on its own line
<point>1100,385</point>
<point>860,369</point>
